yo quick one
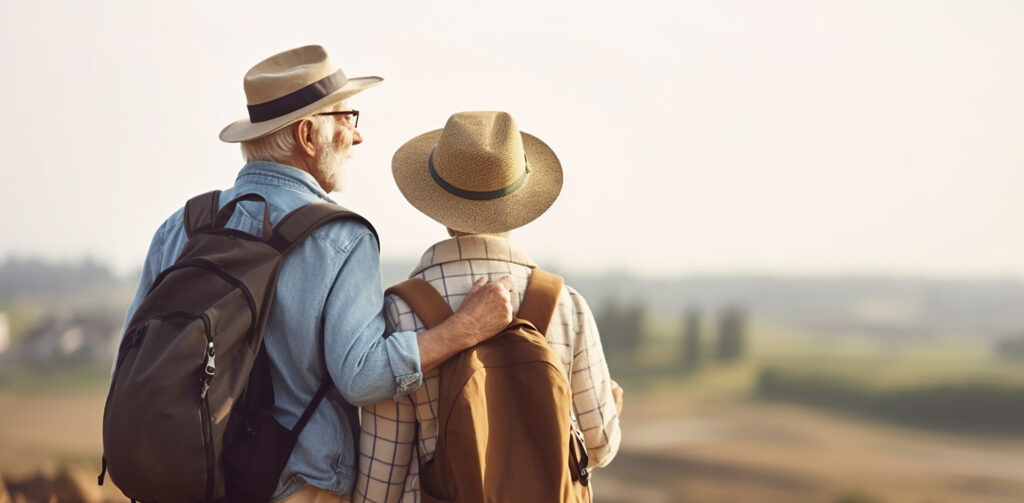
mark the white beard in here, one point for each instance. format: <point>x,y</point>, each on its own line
<point>332,167</point>
<point>331,163</point>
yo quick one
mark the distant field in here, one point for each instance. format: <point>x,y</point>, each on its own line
<point>694,437</point>
<point>63,380</point>
<point>692,433</point>
<point>694,441</point>
<point>676,450</point>
<point>42,431</point>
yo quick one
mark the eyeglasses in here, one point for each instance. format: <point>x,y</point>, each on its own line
<point>351,116</point>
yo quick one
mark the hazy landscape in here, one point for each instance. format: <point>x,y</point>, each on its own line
<point>798,223</point>
<point>738,389</point>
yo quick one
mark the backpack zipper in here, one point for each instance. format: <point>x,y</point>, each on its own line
<point>208,442</point>
<point>214,268</point>
<point>209,369</point>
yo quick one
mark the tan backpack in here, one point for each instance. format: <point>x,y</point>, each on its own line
<point>505,422</point>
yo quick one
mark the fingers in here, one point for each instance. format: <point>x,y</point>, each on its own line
<point>477,284</point>
<point>486,309</point>
<point>504,287</point>
<point>506,282</point>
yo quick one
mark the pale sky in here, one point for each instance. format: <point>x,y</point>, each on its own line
<point>745,136</point>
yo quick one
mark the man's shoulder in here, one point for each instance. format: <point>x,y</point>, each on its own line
<point>341,234</point>
<point>346,233</point>
<point>172,226</point>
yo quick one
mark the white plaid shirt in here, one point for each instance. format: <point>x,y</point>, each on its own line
<point>391,452</point>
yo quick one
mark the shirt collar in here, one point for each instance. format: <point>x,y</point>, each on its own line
<point>477,246</point>
<point>265,172</point>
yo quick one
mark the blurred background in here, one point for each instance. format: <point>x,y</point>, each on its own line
<point>798,223</point>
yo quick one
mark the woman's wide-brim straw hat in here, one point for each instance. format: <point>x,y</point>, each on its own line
<point>289,86</point>
<point>478,175</point>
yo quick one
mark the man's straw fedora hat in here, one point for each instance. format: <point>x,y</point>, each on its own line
<point>289,86</point>
<point>479,174</point>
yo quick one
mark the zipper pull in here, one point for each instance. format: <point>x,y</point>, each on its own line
<point>211,363</point>
<point>210,370</point>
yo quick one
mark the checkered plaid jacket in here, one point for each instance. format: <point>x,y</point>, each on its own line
<point>399,436</point>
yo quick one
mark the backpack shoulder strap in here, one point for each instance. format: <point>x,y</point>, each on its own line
<point>538,307</point>
<point>201,211</point>
<point>298,224</point>
<point>541,298</point>
<point>425,301</point>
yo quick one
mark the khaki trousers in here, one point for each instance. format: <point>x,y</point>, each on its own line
<point>313,494</point>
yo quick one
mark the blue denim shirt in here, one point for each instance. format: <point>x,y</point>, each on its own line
<point>335,272</point>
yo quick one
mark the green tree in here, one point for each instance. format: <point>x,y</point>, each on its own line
<point>691,357</point>
<point>621,326</point>
<point>1010,348</point>
<point>732,334</point>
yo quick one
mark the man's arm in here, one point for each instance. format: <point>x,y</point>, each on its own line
<point>366,362</point>
<point>486,310</point>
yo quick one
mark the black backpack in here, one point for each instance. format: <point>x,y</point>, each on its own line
<point>188,415</point>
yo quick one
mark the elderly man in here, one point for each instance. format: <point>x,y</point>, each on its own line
<point>298,134</point>
<point>480,177</point>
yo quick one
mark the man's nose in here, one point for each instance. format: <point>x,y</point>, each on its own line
<point>357,137</point>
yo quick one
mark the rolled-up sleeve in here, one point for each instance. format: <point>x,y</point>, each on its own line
<point>366,363</point>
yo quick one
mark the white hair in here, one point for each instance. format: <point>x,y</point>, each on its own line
<point>277,146</point>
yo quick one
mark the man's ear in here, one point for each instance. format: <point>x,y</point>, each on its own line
<point>304,137</point>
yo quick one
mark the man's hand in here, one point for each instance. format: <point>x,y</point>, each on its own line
<point>486,310</point>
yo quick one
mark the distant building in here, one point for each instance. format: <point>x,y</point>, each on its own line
<point>82,337</point>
